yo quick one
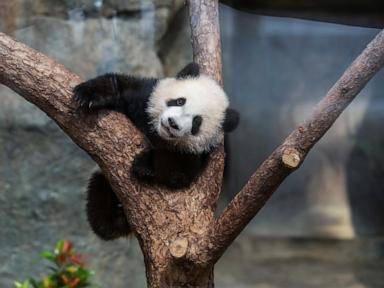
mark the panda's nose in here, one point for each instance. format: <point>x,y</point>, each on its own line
<point>172,123</point>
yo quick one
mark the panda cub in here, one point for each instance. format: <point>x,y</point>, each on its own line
<point>183,119</point>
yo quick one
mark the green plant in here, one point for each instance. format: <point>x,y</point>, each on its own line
<point>67,269</point>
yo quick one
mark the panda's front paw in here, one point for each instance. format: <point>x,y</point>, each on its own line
<point>90,96</point>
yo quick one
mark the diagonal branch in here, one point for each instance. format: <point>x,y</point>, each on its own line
<point>48,85</point>
<point>108,137</point>
<point>289,155</point>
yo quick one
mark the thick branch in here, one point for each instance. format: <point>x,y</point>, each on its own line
<point>205,37</point>
<point>288,156</point>
<point>48,85</point>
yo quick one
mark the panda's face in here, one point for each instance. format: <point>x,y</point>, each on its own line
<point>176,122</point>
<point>188,112</point>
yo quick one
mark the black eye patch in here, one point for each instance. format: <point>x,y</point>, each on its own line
<point>196,123</point>
<point>176,102</point>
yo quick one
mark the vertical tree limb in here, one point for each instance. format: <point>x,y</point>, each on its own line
<point>205,29</point>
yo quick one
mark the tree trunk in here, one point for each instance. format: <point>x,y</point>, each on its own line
<point>182,263</point>
<point>178,274</point>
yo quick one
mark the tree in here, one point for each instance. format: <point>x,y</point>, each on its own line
<point>178,233</point>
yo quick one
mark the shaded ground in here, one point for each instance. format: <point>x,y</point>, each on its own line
<point>296,263</point>
<point>250,262</point>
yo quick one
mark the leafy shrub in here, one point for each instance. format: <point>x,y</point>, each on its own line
<point>67,269</point>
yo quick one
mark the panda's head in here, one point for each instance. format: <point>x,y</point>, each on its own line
<point>190,111</point>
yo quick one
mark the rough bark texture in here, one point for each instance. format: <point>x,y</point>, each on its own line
<point>178,234</point>
<point>205,28</point>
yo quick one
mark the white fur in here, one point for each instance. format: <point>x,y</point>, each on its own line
<point>204,97</point>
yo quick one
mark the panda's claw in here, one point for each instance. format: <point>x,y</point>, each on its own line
<point>93,95</point>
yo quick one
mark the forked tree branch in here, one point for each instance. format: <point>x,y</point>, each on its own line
<point>108,137</point>
<point>178,225</point>
<point>289,155</point>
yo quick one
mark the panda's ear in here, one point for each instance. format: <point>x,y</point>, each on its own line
<point>191,70</point>
<point>232,118</point>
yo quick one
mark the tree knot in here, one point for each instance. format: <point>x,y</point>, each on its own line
<point>178,248</point>
<point>291,157</point>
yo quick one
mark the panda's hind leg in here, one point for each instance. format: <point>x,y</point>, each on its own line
<point>104,211</point>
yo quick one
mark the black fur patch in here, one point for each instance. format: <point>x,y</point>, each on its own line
<point>122,93</point>
<point>191,70</point>
<point>196,124</point>
<point>177,102</point>
<point>232,119</point>
<point>105,214</point>
<point>168,168</point>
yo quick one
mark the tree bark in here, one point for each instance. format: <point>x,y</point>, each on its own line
<point>177,231</point>
<point>205,29</point>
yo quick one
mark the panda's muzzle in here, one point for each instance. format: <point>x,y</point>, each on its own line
<point>172,123</point>
<point>167,130</point>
